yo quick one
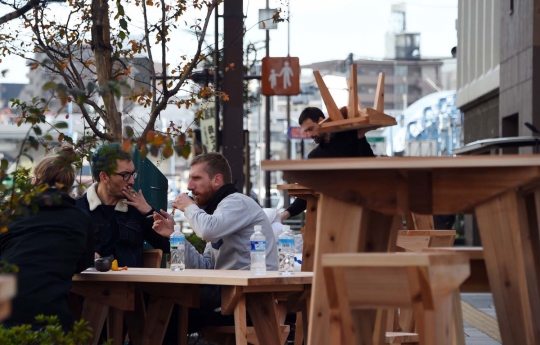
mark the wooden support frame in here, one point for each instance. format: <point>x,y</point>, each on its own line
<point>358,117</point>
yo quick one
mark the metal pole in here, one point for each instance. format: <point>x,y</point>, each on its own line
<point>216,75</point>
<point>289,148</point>
<point>288,97</point>
<point>267,202</point>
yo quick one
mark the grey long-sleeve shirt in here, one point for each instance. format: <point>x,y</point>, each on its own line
<point>227,232</point>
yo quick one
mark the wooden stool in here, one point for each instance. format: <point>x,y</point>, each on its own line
<point>358,284</point>
<point>416,240</point>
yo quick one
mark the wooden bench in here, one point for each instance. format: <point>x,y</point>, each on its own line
<point>475,283</point>
<point>358,284</point>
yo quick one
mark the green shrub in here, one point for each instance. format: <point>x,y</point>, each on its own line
<point>50,333</point>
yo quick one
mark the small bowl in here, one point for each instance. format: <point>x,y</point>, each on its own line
<point>103,264</point>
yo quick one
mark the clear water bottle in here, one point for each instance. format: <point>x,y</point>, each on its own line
<point>286,251</point>
<point>178,249</point>
<point>258,252</point>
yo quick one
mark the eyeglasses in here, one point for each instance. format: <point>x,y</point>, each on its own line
<point>127,176</point>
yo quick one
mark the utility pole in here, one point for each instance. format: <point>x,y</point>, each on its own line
<point>232,85</point>
<point>216,76</point>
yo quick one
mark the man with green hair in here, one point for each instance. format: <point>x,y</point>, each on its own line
<point>119,213</point>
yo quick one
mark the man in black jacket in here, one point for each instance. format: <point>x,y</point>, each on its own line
<point>331,145</point>
<point>118,212</point>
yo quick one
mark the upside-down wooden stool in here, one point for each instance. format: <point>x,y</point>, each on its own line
<point>358,117</point>
<point>424,281</point>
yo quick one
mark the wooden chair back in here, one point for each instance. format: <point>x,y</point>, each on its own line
<point>152,258</point>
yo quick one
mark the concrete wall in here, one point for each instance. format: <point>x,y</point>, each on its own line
<point>520,51</point>
<point>478,68</point>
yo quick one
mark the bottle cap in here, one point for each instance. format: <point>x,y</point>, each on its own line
<point>257,228</point>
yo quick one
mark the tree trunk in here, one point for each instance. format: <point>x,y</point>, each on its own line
<point>101,46</point>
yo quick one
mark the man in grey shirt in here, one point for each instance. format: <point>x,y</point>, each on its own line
<point>222,217</point>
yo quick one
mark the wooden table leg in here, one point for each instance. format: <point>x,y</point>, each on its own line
<point>95,314</point>
<point>135,320</point>
<point>183,325</point>
<point>308,253</point>
<point>435,326</point>
<point>240,322</point>
<point>342,228</point>
<point>115,326</point>
<point>509,231</point>
<point>263,312</point>
<point>157,320</point>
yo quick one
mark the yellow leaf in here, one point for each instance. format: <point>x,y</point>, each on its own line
<point>224,96</point>
<point>226,69</point>
<point>264,25</point>
<point>34,67</point>
<point>4,229</point>
<point>126,145</point>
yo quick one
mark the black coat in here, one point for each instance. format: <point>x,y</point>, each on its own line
<point>124,235</point>
<point>340,145</point>
<point>49,247</point>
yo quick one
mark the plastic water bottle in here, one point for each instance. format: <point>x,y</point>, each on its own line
<point>258,252</point>
<point>178,248</point>
<point>286,251</point>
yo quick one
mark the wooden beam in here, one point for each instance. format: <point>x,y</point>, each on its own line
<point>352,108</point>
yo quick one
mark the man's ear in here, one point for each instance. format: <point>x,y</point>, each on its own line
<point>103,177</point>
<point>218,180</point>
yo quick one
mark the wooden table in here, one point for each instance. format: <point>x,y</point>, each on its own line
<point>362,198</point>
<point>240,291</point>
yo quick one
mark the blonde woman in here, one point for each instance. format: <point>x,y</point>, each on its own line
<point>49,246</point>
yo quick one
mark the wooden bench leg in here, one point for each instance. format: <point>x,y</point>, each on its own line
<point>435,326</point>
<point>299,330</point>
<point>262,309</point>
<point>240,322</point>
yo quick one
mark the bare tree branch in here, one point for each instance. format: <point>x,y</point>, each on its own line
<point>155,112</point>
<point>19,12</point>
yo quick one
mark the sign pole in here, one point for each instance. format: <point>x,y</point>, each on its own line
<point>267,203</point>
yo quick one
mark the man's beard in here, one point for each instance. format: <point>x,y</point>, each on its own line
<point>316,139</point>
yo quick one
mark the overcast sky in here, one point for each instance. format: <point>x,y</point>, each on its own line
<point>323,30</point>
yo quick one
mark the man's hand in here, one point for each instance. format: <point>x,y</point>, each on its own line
<point>182,201</point>
<point>163,224</point>
<point>136,200</point>
<point>284,215</point>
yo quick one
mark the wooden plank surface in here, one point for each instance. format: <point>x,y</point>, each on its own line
<point>394,260</point>
<point>382,163</point>
<point>212,277</point>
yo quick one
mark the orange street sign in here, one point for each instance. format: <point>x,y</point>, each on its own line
<point>280,76</point>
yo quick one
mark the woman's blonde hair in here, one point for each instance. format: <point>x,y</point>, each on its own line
<point>58,169</point>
